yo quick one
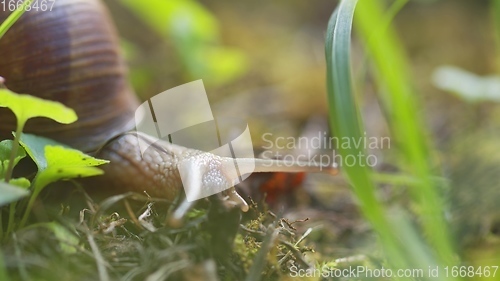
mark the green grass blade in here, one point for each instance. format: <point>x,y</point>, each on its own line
<point>402,250</point>
<point>13,18</point>
<point>255,272</point>
<point>400,105</point>
<point>345,120</point>
<point>343,113</point>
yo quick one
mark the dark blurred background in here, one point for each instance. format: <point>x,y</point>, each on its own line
<point>264,60</point>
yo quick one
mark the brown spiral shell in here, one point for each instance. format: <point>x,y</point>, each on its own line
<point>71,55</point>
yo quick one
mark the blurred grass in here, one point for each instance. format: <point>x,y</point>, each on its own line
<point>194,32</point>
<point>401,109</point>
<point>495,11</point>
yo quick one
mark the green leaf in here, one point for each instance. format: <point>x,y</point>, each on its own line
<point>66,163</point>
<point>26,107</point>
<point>56,161</point>
<point>58,156</point>
<point>10,193</point>
<point>5,151</point>
<point>35,147</point>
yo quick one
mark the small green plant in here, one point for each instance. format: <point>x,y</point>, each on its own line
<point>54,161</point>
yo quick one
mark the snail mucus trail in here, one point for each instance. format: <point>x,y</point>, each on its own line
<point>71,55</point>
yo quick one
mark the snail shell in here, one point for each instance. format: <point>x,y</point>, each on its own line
<point>70,55</point>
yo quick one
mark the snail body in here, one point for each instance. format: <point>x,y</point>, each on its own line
<point>71,55</point>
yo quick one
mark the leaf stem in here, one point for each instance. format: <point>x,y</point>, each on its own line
<point>15,147</point>
<point>12,212</point>
<point>31,202</point>
<point>10,168</point>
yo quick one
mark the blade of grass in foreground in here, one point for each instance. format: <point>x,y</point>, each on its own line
<point>400,105</point>
<point>402,243</point>
<point>345,120</point>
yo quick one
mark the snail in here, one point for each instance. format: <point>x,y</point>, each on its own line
<point>71,55</point>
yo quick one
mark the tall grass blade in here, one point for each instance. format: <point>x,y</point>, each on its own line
<point>345,120</point>
<point>402,250</point>
<point>400,104</point>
